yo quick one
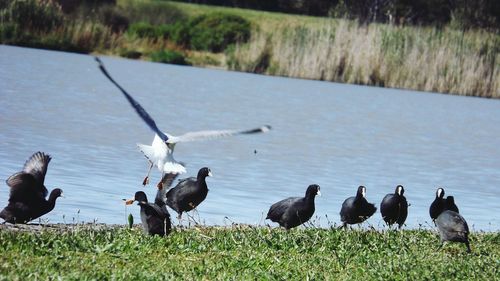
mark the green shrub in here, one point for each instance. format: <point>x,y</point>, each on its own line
<point>7,32</point>
<point>146,30</point>
<point>180,34</point>
<point>33,15</point>
<point>164,30</point>
<point>142,30</point>
<point>169,56</point>
<point>214,32</point>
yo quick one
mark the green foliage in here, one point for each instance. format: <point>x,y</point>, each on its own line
<point>147,30</point>
<point>49,41</point>
<point>142,30</point>
<point>244,253</point>
<point>465,13</point>
<point>180,34</point>
<point>32,14</point>
<point>8,32</point>
<point>130,220</point>
<point>169,56</point>
<point>214,32</point>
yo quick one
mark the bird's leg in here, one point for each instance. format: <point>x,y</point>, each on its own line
<point>196,222</point>
<point>440,246</point>
<point>146,179</point>
<point>468,246</point>
<point>179,218</point>
<point>160,184</point>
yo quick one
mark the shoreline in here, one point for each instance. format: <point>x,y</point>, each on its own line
<point>69,227</point>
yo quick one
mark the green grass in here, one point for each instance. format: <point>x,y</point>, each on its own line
<point>243,252</point>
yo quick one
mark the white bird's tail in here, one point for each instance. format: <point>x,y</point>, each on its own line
<point>173,167</point>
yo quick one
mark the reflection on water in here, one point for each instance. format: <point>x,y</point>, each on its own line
<point>338,136</point>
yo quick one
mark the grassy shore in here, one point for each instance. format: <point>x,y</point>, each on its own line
<point>444,59</point>
<point>242,252</point>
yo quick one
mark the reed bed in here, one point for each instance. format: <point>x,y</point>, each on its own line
<point>419,58</point>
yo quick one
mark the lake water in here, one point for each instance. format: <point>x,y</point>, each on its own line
<point>335,135</point>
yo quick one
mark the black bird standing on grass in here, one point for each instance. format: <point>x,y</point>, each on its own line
<point>394,207</point>
<point>451,225</point>
<point>437,205</point>
<point>356,209</point>
<point>294,211</point>
<point>155,219</point>
<point>189,192</point>
<point>440,204</point>
<point>27,192</point>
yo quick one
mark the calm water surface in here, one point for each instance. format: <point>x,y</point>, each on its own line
<point>338,136</point>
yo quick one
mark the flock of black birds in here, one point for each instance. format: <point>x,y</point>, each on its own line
<point>27,199</point>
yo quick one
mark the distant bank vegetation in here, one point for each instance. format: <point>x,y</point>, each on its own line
<point>460,13</point>
<point>453,54</point>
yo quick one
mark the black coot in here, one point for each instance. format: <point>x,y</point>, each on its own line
<point>294,211</point>
<point>437,205</point>
<point>394,207</point>
<point>189,192</point>
<point>155,219</point>
<point>440,204</point>
<point>356,209</point>
<point>27,192</point>
<point>453,227</point>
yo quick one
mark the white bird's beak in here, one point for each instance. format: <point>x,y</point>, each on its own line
<point>319,193</point>
<point>210,174</point>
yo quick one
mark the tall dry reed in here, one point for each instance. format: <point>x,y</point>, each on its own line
<point>419,58</point>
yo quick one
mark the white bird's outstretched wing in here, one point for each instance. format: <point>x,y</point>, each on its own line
<point>148,152</point>
<point>207,135</point>
<point>138,108</point>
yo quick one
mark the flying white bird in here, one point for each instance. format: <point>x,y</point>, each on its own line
<point>160,152</point>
